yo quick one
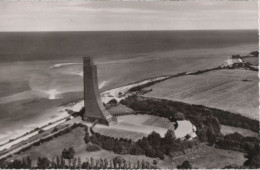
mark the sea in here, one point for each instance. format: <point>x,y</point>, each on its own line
<point>40,72</point>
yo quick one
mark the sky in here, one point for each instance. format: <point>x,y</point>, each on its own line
<point>115,15</point>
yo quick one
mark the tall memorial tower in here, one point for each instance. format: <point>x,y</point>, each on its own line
<point>94,108</point>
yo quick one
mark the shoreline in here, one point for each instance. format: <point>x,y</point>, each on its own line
<point>74,106</point>
<point>118,93</point>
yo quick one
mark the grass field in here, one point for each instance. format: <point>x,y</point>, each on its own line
<point>208,158</point>
<point>122,109</point>
<point>231,90</point>
<point>135,126</point>
<point>225,130</point>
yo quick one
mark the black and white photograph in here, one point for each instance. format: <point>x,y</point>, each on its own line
<point>113,84</point>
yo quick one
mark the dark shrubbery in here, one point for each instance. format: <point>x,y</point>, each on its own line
<point>41,131</point>
<point>112,102</point>
<point>237,142</point>
<point>185,165</point>
<point>68,153</point>
<point>255,53</point>
<point>55,130</point>
<point>253,159</point>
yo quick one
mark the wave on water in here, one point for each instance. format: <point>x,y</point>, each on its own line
<point>63,64</point>
<point>52,94</point>
<point>78,73</point>
<point>102,84</point>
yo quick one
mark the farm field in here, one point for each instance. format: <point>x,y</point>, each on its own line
<point>231,90</point>
<point>225,130</point>
<point>204,157</point>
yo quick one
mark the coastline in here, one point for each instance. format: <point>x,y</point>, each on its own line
<point>75,106</point>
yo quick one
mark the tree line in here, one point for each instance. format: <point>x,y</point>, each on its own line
<point>207,125</point>
<point>64,162</point>
<point>207,122</point>
<point>170,109</point>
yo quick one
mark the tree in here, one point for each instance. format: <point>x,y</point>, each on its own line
<point>79,162</point>
<point>234,136</point>
<point>253,162</point>
<point>105,163</point>
<point>185,165</point>
<point>71,152</point>
<point>29,162</point>
<point>24,163</point>
<point>255,53</point>
<point>154,139</point>
<point>91,162</point>
<point>135,149</point>
<point>58,163</point>
<point>41,131</point>
<point>179,116</point>
<point>129,164</point>
<point>64,153</point>
<point>16,164</point>
<point>74,162</point>
<point>211,137</point>
<point>69,163</point>
<point>68,154</point>
<point>87,137</point>
<point>101,163</point>
<point>55,130</point>
<point>113,102</point>
<point>43,163</point>
<point>187,137</point>
<point>62,163</point>
<point>85,165</point>
<point>160,154</point>
<point>169,137</point>
<point>253,158</point>
<point>53,164</point>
